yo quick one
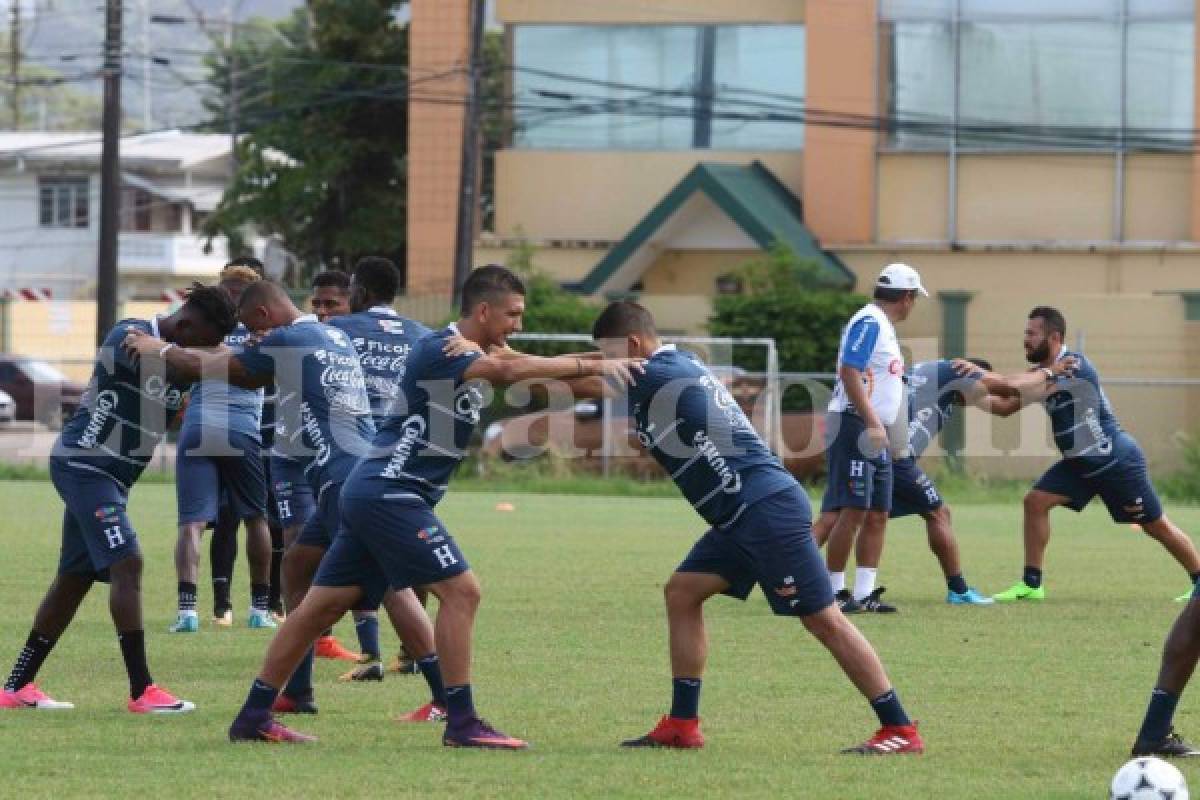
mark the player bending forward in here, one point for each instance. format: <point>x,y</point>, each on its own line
<point>760,521</point>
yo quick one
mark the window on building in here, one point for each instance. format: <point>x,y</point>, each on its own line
<point>63,201</point>
<point>1038,74</point>
<point>137,206</point>
<point>658,87</point>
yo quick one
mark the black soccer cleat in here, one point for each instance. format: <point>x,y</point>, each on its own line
<point>846,602</point>
<point>874,605</point>
<point>1173,746</point>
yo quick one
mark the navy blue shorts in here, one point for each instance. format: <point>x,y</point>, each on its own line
<point>912,490</point>
<point>389,542</point>
<point>1124,486</point>
<point>856,479</point>
<point>96,532</point>
<point>322,524</point>
<point>770,544</point>
<point>295,502</point>
<point>205,482</point>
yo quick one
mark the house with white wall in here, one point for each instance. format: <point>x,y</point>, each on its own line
<point>50,211</point>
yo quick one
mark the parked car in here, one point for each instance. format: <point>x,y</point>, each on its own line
<point>525,437</point>
<point>39,390</point>
<point>8,409</point>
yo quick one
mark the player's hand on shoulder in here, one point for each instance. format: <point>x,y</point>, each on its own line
<point>138,343</point>
<point>963,368</point>
<point>620,371</point>
<point>458,345</point>
<point>1065,367</point>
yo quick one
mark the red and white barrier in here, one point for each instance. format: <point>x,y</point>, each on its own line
<point>31,295</point>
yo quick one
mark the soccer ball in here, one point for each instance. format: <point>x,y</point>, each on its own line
<point>1148,779</point>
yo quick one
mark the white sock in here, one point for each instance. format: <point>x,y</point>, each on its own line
<point>838,579</point>
<point>864,582</point>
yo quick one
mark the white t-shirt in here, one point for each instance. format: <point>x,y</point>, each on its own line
<point>869,344</point>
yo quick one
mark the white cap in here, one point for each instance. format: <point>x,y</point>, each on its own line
<point>900,276</point>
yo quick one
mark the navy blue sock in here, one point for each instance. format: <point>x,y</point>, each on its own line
<point>431,668</point>
<point>460,706</point>
<point>299,686</point>
<point>1157,723</point>
<point>957,584</point>
<point>367,629</point>
<point>1032,577</point>
<point>262,696</point>
<point>685,698</point>
<point>1195,576</point>
<point>887,707</point>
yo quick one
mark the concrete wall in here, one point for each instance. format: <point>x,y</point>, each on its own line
<point>601,195</point>
<point>439,34</point>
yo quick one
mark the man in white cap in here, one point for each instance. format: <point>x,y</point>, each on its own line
<point>867,400</point>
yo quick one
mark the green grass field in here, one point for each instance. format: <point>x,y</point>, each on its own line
<point>1015,702</point>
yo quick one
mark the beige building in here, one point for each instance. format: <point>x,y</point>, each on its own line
<point>1017,152</point>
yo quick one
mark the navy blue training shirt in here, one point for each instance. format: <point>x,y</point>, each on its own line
<point>124,413</point>
<point>1081,417</point>
<point>323,418</point>
<point>692,426</point>
<point>932,388</point>
<point>425,438</point>
<point>384,340</point>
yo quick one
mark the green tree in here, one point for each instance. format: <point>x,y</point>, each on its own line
<point>788,299</point>
<point>322,98</point>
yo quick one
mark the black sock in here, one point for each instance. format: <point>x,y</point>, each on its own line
<point>274,598</point>
<point>685,698</point>
<point>1195,576</point>
<point>1033,577</point>
<point>957,584</point>
<point>221,601</point>
<point>36,648</point>
<point>431,668</point>
<point>258,596</point>
<point>299,686</point>
<point>460,706</point>
<point>187,596</point>
<point>887,707</point>
<point>133,650</point>
<point>1157,723</point>
<point>262,696</point>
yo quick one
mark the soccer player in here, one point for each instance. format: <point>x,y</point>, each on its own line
<point>383,340</point>
<point>1156,737</point>
<point>759,518</point>
<point>331,294</point>
<point>390,536</point>
<point>295,502</point>
<point>866,401</point>
<point>323,397</point>
<point>97,458</point>
<point>220,453</point>
<point>1098,456</point>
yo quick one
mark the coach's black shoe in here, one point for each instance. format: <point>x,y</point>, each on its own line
<point>873,604</point>
<point>1171,747</point>
<point>846,602</point>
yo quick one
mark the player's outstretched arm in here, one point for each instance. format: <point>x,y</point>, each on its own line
<point>506,370</point>
<point>192,364</point>
<point>1007,394</point>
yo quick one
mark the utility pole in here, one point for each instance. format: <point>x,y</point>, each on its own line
<point>110,177</point>
<point>232,110</point>
<point>468,195</point>
<point>14,63</point>
<point>147,117</point>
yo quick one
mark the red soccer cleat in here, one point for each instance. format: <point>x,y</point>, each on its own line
<point>430,712</point>
<point>891,740</point>
<point>330,647</point>
<point>290,705</point>
<point>671,732</point>
<point>156,700</point>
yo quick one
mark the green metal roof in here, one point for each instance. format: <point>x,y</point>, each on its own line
<point>751,196</point>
